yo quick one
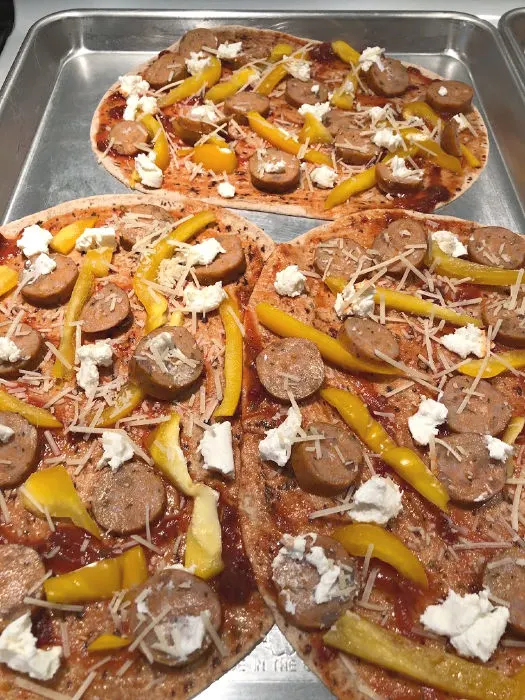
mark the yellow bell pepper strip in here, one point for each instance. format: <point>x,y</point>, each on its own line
<point>133,567</point>
<point>167,454</point>
<point>64,241</point>
<point>98,581</point>
<point>432,150</point>
<point>424,664</point>
<point>286,143</point>
<point>108,642</point>
<point>204,538</point>
<point>345,52</point>
<point>495,366</point>
<point>99,261</point>
<point>401,301</point>
<point>422,110</point>
<point>356,539</point>
<point>343,97</point>
<point>194,84</point>
<point>39,417</point>
<point>406,463</point>
<point>220,91</point>
<point>470,157</point>
<point>128,398</point>
<point>233,362</point>
<point>355,184</point>
<point>160,142</point>
<point>279,51</point>
<point>287,326</point>
<point>479,274</point>
<point>153,302</point>
<point>52,488</point>
<point>8,279</point>
<point>513,429</point>
<point>215,157</point>
<point>314,130</point>
<point>274,77</point>
<point>176,319</point>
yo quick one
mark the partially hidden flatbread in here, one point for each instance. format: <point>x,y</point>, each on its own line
<point>440,185</point>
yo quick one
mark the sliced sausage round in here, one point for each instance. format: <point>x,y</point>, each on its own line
<point>127,136</point>
<point>337,120</point>
<point>450,96</point>
<point>388,183</point>
<point>238,106</point>
<point>167,381</point>
<point>191,130</point>
<point>512,328</point>
<point>362,337</point>
<point>336,467</point>
<point>32,349</point>
<point>55,287</point>
<point>284,175</point>
<point>487,411</point>
<point>125,500</point>
<point>397,238</point>
<point>179,638</point>
<point>290,365</point>
<point>450,142</point>
<point>505,578</point>
<point>226,267</point>
<point>168,68</point>
<point>466,469</point>
<point>141,221</point>
<point>299,92</point>
<point>296,580</point>
<point>20,570</point>
<point>339,257</point>
<point>354,148</point>
<point>107,310</point>
<point>390,81</point>
<point>497,247</point>
<point>19,454</point>
<point>195,40</point>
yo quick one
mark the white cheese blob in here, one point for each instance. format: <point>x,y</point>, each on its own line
<point>348,88</point>
<point>371,55</point>
<point>376,501</point>
<point>6,433</point>
<point>228,51</point>
<point>403,174</point>
<point>91,357</point>
<point>203,253</point>
<point>150,174</point>
<point>183,636</point>
<point>324,176</point>
<point>423,425</point>
<point>170,271</point>
<point>442,90</point>
<point>380,114</point>
<point>197,62</point>
<point>473,625</point>
<point>226,190</point>
<point>277,445</point>
<point>101,237</point>
<point>462,121</point>
<point>318,110</point>
<point>133,85</point>
<point>498,449</point>
<point>449,243</point>
<point>42,265</point>
<point>204,299</point>
<point>289,282</point>
<point>315,88</point>
<point>298,68</point>
<point>206,112</point>
<point>466,340</point>
<point>138,106</point>
<point>19,651</point>
<point>216,448</point>
<point>117,449</point>
<point>355,300</point>
<point>9,351</point>
<point>274,166</point>
<point>387,138</point>
<point>34,240</point>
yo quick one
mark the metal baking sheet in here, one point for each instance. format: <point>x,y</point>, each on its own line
<point>68,60</point>
<point>512,28</point>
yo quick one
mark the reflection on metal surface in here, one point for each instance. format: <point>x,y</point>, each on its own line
<point>512,28</point>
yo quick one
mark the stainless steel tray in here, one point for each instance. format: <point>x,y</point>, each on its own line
<point>68,60</point>
<point>512,28</point>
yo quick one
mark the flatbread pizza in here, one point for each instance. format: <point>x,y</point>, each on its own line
<point>383,451</point>
<point>267,121</point>
<point>122,569</point>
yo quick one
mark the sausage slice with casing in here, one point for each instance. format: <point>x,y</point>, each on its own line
<point>339,257</point>
<point>143,220</point>
<point>106,311</point>
<point>272,170</point>
<point>450,142</point>
<point>401,236</point>
<point>391,80</point>
<point>336,467</point>
<point>299,92</point>
<point>19,454</point>
<point>238,105</point>
<point>125,500</point>
<point>226,267</point>
<point>486,413</point>
<point>362,337</point>
<point>497,247</point>
<point>55,287</point>
<point>290,365</point>
<point>168,68</point>
<point>450,96</point>
<point>32,350</point>
<point>180,637</point>
<point>127,137</point>
<point>354,148</point>
<point>195,40</point>
<point>511,330</point>
<point>390,183</point>
<point>296,579</point>
<point>170,375</point>
<point>20,570</point>
<point>337,120</point>
<point>466,469</point>
<point>504,576</point>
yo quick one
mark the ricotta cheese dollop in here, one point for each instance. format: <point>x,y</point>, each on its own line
<point>289,282</point>
<point>149,172</point>
<point>91,357</point>
<point>318,110</point>
<point>9,351</point>
<point>197,62</point>
<point>216,448</point>
<point>34,240</point>
<point>371,55</point>
<point>387,138</point>
<point>498,449</point>
<point>324,176</point>
<point>42,265</point>
<point>19,651</point>
<point>204,299</point>
<point>467,340</point>
<point>298,68</point>
<point>355,300</point>
<point>226,190</point>
<point>277,445</point>
<point>423,425</point>
<point>203,253</point>
<point>101,237</point>
<point>6,433</point>
<point>117,449</point>
<point>228,51</point>
<point>133,85</point>
<point>376,501</point>
<point>449,243</point>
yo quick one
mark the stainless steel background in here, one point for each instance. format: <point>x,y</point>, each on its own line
<point>69,59</point>
<point>512,28</point>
